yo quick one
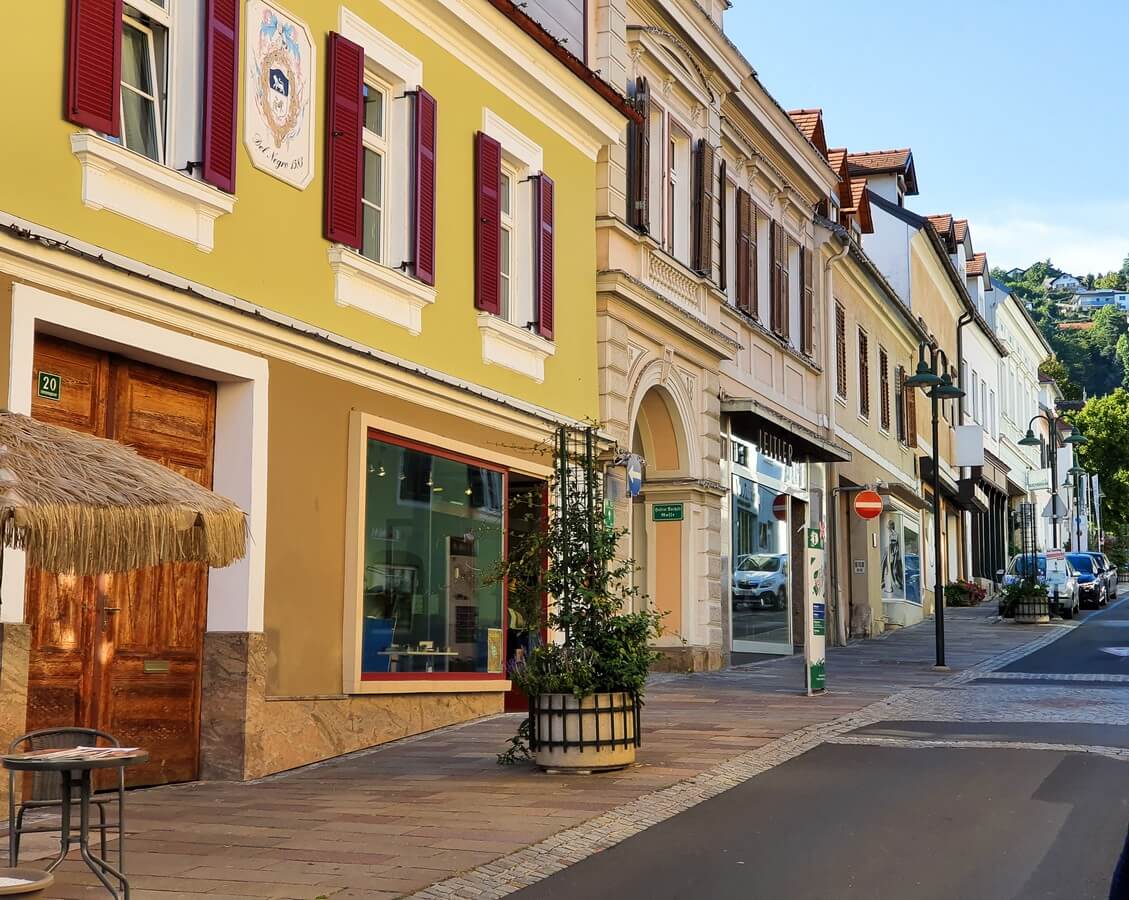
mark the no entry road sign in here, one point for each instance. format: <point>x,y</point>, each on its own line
<point>868,504</point>
<point>780,507</point>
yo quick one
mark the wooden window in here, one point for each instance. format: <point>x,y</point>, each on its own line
<point>883,389</point>
<point>94,59</point>
<point>144,64</point>
<point>864,373</point>
<point>487,223</point>
<point>900,403</point>
<point>543,252</point>
<point>507,245</point>
<point>221,92</point>
<point>722,226</point>
<point>344,162</point>
<point>423,172</point>
<point>840,351</point>
<point>639,158</point>
<point>778,319</point>
<point>807,303</point>
<point>703,207</point>
<point>910,394</point>
<point>746,269</point>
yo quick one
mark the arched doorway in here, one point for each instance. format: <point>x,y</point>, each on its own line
<point>661,513</point>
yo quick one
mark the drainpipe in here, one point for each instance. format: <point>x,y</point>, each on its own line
<point>840,634</point>
<point>965,471</point>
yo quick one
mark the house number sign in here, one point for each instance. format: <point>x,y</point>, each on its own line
<point>49,386</point>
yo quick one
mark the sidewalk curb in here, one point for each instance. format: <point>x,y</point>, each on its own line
<point>522,868</point>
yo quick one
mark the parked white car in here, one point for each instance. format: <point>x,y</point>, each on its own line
<point>761,580</point>
<point>1064,599</point>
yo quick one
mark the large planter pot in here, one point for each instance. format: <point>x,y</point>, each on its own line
<point>596,734</point>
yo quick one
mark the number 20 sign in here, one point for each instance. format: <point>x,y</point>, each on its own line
<point>49,386</point>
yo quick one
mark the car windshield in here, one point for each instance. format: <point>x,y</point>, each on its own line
<point>1022,565</point>
<point>1082,562</point>
<point>759,564</point>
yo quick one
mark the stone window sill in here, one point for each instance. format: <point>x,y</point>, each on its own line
<point>505,344</point>
<point>433,686</point>
<point>378,290</point>
<point>134,186</point>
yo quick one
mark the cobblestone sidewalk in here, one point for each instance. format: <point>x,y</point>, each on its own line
<point>435,815</point>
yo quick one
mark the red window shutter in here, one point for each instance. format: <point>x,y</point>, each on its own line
<point>344,147</point>
<point>544,250</point>
<point>423,254</point>
<point>487,223</point>
<point>221,91</point>
<point>94,64</point>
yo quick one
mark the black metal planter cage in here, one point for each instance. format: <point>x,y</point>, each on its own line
<point>610,723</point>
<point>1029,604</point>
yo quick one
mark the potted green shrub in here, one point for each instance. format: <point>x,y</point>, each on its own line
<point>585,689</point>
<point>1025,601</point>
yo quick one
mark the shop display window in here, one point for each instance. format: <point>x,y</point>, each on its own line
<point>434,530</point>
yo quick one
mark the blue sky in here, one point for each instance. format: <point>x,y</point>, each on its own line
<point>1017,111</point>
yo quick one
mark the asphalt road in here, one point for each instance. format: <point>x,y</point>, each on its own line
<point>904,823</point>
<point>1086,650</point>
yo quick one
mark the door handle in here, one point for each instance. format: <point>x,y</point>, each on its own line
<point>110,608</point>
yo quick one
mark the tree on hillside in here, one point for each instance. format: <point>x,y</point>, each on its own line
<point>1056,369</point>
<point>1110,281</point>
<point>1105,422</point>
<point>1122,354</point>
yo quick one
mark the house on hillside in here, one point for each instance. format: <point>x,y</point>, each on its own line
<point>1062,282</point>
<point>1015,274</point>
<point>1091,301</point>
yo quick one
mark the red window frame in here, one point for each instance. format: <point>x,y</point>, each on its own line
<point>410,444</point>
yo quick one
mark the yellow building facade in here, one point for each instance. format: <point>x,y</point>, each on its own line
<point>337,262</point>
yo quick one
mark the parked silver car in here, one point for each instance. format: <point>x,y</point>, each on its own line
<point>761,580</point>
<point>1064,599</point>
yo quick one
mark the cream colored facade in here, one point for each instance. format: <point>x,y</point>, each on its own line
<point>674,348</point>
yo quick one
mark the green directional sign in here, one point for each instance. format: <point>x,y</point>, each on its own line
<point>666,512</point>
<point>49,386</point>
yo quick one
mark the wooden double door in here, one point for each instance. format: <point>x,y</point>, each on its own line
<point>122,652</point>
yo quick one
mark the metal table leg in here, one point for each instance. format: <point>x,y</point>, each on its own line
<point>64,821</point>
<point>96,864</point>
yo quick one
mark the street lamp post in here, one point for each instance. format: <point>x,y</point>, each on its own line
<point>1075,437</point>
<point>939,387</point>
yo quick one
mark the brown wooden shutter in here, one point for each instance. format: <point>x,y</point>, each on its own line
<point>344,146</point>
<point>543,225</point>
<point>883,389</point>
<point>221,92</point>
<point>900,403</point>
<point>703,207</point>
<point>487,223</point>
<point>752,264</point>
<point>94,65</point>
<point>911,414</point>
<point>840,351</point>
<point>864,374</point>
<point>639,158</point>
<point>807,302</point>
<point>743,249</point>
<point>423,172</point>
<point>779,306</point>
<point>722,228</point>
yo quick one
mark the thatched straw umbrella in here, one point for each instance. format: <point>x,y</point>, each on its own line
<point>85,505</point>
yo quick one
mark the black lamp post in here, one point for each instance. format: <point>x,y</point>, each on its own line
<point>939,387</point>
<point>1078,473</point>
<point>1075,437</point>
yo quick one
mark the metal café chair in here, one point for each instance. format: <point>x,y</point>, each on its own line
<point>46,788</point>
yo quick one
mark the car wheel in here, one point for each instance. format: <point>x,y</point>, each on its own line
<point>781,600</point>
<point>1068,613</point>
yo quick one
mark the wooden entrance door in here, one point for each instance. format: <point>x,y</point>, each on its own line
<point>123,652</point>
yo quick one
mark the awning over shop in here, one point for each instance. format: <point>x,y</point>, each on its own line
<point>971,496</point>
<point>1014,488</point>
<point>779,436</point>
<point>904,493</point>
<point>993,473</point>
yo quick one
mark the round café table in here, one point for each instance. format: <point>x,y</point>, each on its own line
<point>76,772</point>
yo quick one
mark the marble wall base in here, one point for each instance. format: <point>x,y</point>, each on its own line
<point>15,641</point>
<point>246,734</point>
<point>688,659</point>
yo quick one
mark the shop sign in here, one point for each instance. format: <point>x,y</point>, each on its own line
<point>49,386</point>
<point>815,637</point>
<point>280,87</point>
<point>666,512</point>
<point>775,447</point>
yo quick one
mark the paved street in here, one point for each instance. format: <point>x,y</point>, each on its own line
<point>1009,785</point>
<point>437,811</point>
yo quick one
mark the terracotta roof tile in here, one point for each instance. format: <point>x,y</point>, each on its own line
<point>881,162</point>
<point>960,226</point>
<point>810,123</point>
<point>837,158</point>
<point>978,265</point>
<point>1075,326</point>
<point>941,223</point>
<point>860,200</point>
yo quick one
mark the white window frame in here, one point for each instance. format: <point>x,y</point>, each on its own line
<point>679,152</point>
<point>508,272</point>
<point>379,144</point>
<point>162,107</point>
